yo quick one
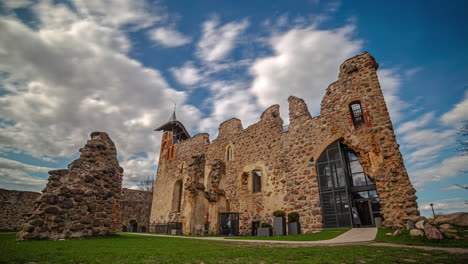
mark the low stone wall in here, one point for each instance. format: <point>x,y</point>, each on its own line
<point>15,206</point>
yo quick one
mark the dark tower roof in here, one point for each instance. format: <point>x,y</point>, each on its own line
<point>177,128</point>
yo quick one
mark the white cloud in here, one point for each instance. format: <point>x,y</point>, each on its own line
<point>451,188</point>
<point>445,206</point>
<point>448,168</point>
<point>137,168</point>
<point>217,41</point>
<point>117,13</point>
<point>168,37</point>
<point>16,165</point>
<point>390,82</point>
<point>13,4</point>
<point>227,107</point>
<point>411,72</point>
<point>305,62</point>
<point>410,126</point>
<point>187,74</point>
<point>423,145</point>
<point>17,175</point>
<point>72,76</point>
<point>457,114</point>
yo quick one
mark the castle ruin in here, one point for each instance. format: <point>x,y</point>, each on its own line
<point>329,168</point>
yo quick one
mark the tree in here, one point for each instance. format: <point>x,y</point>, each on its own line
<point>463,138</point>
<point>148,184</point>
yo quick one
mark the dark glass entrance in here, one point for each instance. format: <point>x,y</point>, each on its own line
<point>347,194</point>
<point>229,224</point>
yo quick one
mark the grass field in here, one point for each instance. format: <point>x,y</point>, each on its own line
<point>405,238</point>
<point>322,235</point>
<point>139,249</point>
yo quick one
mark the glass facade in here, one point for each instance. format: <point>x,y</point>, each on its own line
<point>347,194</point>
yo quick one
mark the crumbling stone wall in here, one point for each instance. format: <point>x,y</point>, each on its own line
<point>135,205</point>
<point>83,200</point>
<point>286,159</point>
<point>15,206</point>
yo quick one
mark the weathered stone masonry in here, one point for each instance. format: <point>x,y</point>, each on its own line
<point>135,205</point>
<point>15,206</point>
<point>285,159</point>
<point>83,200</point>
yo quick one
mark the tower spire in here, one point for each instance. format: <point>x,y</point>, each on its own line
<point>173,116</point>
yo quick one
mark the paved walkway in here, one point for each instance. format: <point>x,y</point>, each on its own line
<point>355,236</point>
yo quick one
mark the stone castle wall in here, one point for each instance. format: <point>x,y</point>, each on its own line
<point>15,207</point>
<point>286,160</point>
<point>135,205</point>
<point>83,200</point>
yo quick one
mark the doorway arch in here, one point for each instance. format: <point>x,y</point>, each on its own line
<point>348,196</point>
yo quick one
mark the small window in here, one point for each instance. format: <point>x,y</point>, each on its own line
<point>256,181</point>
<point>356,112</point>
<point>229,156</point>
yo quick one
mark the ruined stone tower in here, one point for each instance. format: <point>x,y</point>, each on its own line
<point>342,168</point>
<point>83,200</point>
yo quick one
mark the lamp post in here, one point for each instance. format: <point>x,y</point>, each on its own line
<point>432,206</point>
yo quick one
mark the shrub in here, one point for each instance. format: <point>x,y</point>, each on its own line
<point>265,225</point>
<point>293,217</point>
<point>279,213</point>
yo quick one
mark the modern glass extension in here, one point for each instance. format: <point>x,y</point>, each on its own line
<point>347,194</point>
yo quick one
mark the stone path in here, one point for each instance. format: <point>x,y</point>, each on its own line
<point>355,236</point>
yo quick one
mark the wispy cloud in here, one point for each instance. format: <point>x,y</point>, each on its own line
<point>457,114</point>
<point>218,40</point>
<point>447,168</point>
<point>444,206</point>
<point>168,37</point>
<point>17,175</point>
<point>188,74</point>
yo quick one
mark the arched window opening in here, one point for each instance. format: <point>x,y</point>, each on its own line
<point>229,154</point>
<point>177,196</point>
<point>356,112</point>
<point>256,181</point>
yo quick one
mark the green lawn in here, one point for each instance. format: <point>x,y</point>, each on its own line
<point>405,238</point>
<point>322,235</point>
<point>141,249</point>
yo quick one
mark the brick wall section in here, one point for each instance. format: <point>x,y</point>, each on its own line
<point>15,207</point>
<point>135,205</point>
<point>287,158</point>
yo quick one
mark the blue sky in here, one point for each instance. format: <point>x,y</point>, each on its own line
<point>68,68</point>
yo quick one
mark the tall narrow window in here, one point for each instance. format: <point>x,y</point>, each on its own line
<point>177,196</point>
<point>356,112</point>
<point>256,181</point>
<point>229,154</point>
